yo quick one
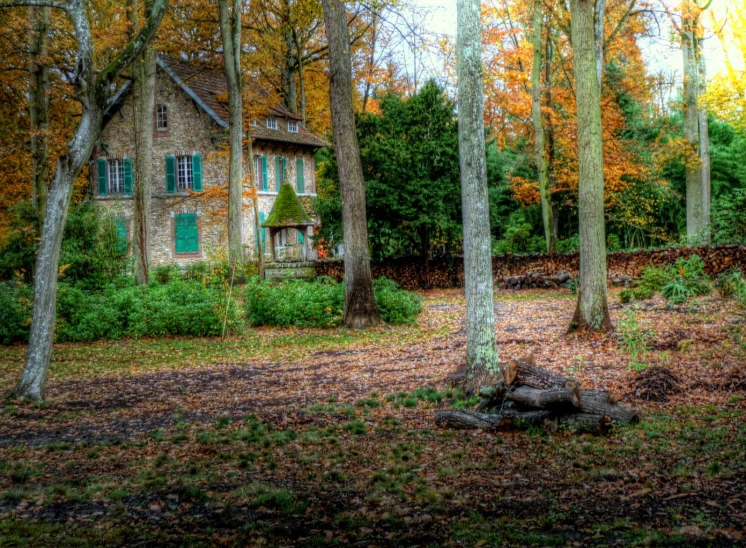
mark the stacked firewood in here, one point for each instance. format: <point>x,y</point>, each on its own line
<point>528,395</point>
<point>535,280</point>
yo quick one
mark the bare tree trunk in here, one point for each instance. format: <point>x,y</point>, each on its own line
<point>39,108</point>
<point>482,362</point>
<point>704,153</point>
<point>370,62</point>
<point>694,194</point>
<point>230,29</point>
<point>93,90</point>
<point>255,201</point>
<point>302,78</point>
<point>143,71</point>
<point>289,73</point>
<point>361,309</point>
<point>592,310</point>
<point>598,31</point>
<point>541,153</point>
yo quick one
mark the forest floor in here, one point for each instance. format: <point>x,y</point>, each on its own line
<point>310,437</point>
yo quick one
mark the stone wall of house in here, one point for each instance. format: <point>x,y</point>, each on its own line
<point>191,131</point>
<point>449,272</point>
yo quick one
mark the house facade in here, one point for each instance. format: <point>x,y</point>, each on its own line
<point>188,215</point>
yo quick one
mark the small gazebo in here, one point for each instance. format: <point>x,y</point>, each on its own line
<point>287,212</point>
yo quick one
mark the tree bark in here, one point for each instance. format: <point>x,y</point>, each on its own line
<point>361,310</point>
<point>230,30</point>
<point>694,193</point>
<point>39,108</point>
<point>592,310</point>
<point>482,363</point>
<point>93,90</point>
<point>143,71</point>
<point>541,153</point>
<point>255,201</point>
<point>598,31</point>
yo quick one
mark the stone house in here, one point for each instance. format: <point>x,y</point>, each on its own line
<point>188,217</point>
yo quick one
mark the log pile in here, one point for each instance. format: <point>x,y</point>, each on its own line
<point>531,396</point>
<point>535,280</point>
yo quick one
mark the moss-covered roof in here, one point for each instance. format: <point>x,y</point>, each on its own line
<point>287,211</point>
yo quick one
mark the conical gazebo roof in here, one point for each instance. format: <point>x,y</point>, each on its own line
<point>287,212</point>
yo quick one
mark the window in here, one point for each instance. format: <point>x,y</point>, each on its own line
<point>292,126</point>
<point>260,172</point>
<point>116,177</point>
<point>186,233</point>
<point>184,173</point>
<point>161,118</point>
<point>271,123</point>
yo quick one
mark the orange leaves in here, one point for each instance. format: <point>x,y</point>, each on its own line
<point>526,191</point>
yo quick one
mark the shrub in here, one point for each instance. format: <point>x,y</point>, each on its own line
<point>568,245</point>
<point>654,278</point>
<point>320,303</point>
<point>678,282</point>
<point>16,303</point>
<point>731,283</point>
<point>185,308</point>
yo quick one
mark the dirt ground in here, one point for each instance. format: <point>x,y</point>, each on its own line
<point>328,438</point>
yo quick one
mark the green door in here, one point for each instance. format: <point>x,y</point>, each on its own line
<point>187,233</point>
<point>121,225</point>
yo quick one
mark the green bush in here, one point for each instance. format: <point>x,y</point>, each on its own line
<point>568,245</point>
<point>91,254</point>
<point>677,283</point>
<point>320,303</point>
<point>16,303</point>
<point>179,308</point>
<point>730,284</point>
<point>654,278</point>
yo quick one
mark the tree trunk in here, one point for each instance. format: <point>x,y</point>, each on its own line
<point>541,153</point>
<point>289,73</point>
<point>592,309</point>
<point>93,90</point>
<point>704,153</point>
<point>39,108</point>
<point>361,309</point>
<point>694,194</point>
<point>255,201</point>
<point>482,363</point>
<point>302,79</point>
<point>230,30</point>
<point>144,106</point>
<point>598,32</point>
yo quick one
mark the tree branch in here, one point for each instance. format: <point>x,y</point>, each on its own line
<point>35,3</point>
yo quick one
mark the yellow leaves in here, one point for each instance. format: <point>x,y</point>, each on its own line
<point>525,191</point>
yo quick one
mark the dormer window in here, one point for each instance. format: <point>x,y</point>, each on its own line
<point>271,122</point>
<point>292,126</point>
<point>161,118</point>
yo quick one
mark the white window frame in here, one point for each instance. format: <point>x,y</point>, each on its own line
<point>184,173</point>
<point>161,118</point>
<point>115,174</point>
<point>292,126</point>
<point>271,122</point>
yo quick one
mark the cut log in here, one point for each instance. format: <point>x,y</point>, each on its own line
<point>618,414</point>
<point>518,371</point>
<point>586,423</point>
<point>533,397</point>
<point>599,396</point>
<point>462,418</point>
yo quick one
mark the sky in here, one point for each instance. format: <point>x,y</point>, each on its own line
<point>660,54</point>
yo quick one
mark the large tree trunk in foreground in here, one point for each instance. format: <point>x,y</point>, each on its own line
<point>143,71</point>
<point>704,154</point>
<point>361,309</point>
<point>93,90</point>
<point>541,153</point>
<point>532,396</point>
<point>593,309</point>
<point>694,207</point>
<point>39,108</point>
<point>481,347</point>
<point>230,30</point>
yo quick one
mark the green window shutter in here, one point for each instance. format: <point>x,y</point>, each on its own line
<point>264,231</point>
<point>299,176</point>
<point>284,170</point>
<point>103,182</point>
<point>170,174</point>
<point>187,233</point>
<point>278,172</point>
<point>128,180</point>
<point>197,172</point>
<point>121,225</point>
<point>265,183</point>
<point>300,237</point>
